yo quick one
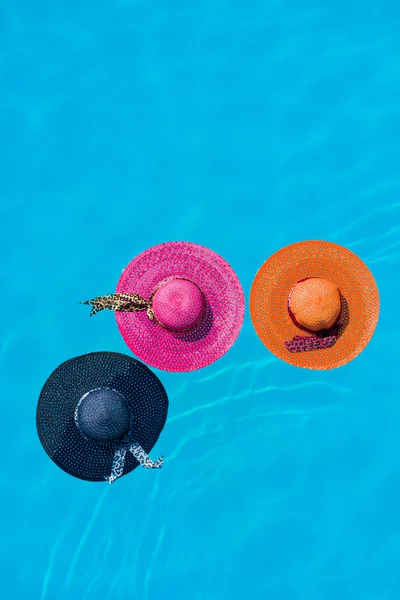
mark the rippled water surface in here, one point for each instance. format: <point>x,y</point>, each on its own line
<point>242,126</point>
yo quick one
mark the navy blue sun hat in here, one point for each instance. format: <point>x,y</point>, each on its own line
<point>99,415</point>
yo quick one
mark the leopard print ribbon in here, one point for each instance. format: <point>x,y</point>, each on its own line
<point>125,302</point>
<point>141,456</point>
<point>120,303</point>
<point>305,343</point>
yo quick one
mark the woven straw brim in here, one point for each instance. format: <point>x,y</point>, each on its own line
<point>219,328</point>
<point>60,437</point>
<point>276,278</point>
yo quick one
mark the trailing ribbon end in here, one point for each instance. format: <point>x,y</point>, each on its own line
<point>98,304</point>
<point>158,464</point>
<point>143,458</point>
<point>118,303</point>
<point>110,479</point>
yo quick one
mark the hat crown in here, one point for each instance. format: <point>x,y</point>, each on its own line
<point>178,305</point>
<point>315,303</point>
<point>103,415</point>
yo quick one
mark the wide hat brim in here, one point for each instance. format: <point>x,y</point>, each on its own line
<point>55,416</point>
<point>220,326</point>
<point>277,277</point>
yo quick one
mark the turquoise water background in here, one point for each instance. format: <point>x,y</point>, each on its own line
<point>242,126</point>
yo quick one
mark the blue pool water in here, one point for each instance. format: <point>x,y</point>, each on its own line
<point>242,126</point>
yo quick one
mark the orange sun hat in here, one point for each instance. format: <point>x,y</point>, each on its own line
<point>314,305</point>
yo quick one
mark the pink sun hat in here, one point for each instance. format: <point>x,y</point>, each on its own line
<point>179,306</point>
